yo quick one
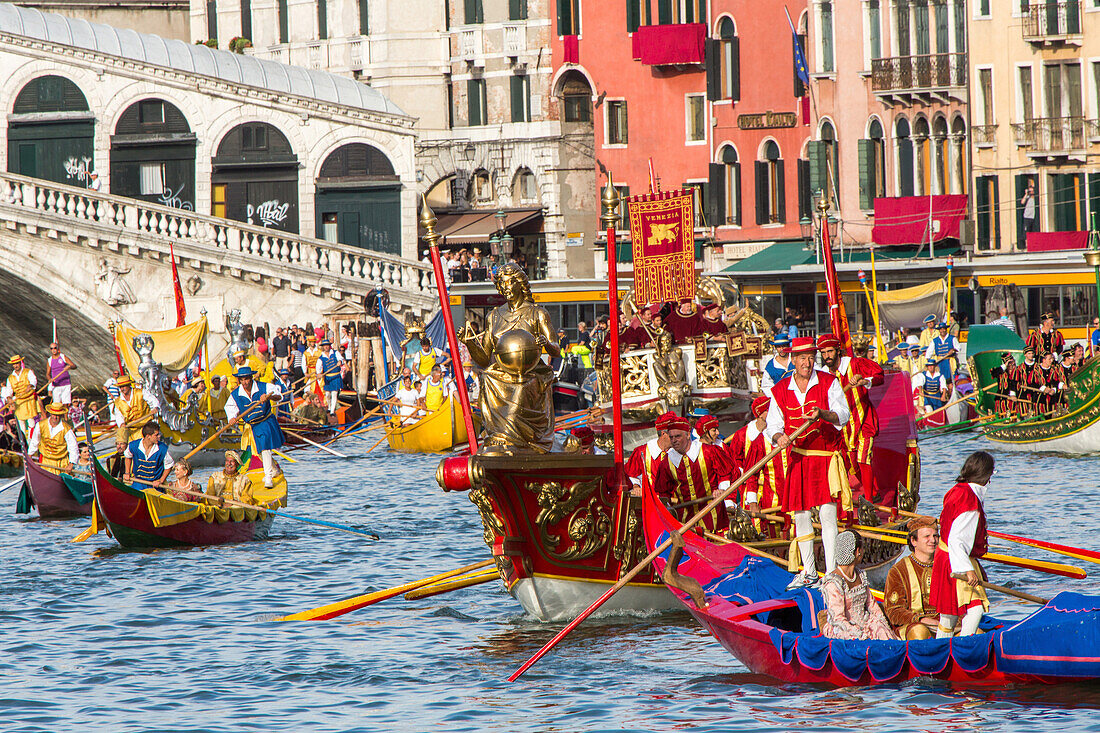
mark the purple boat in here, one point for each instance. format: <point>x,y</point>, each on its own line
<point>57,495</point>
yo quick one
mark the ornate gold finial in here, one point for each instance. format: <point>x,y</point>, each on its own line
<point>823,203</point>
<point>428,220</point>
<point>610,201</point>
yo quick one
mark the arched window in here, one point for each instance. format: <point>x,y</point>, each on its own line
<point>524,187</point>
<point>481,188</point>
<point>576,97</point>
<point>828,64</point>
<point>923,141</point>
<point>770,198</point>
<point>51,132</point>
<point>905,157</point>
<point>872,166</point>
<point>832,155</point>
<point>939,153</point>
<point>731,179</point>
<point>729,81</point>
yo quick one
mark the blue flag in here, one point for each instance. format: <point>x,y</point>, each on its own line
<point>801,68</point>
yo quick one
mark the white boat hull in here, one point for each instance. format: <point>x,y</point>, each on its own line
<point>558,599</point>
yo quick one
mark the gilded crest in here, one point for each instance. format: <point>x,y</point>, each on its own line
<point>588,525</point>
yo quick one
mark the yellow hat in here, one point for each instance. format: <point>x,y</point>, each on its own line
<point>15,360</point>
<point>56,408</point>
<point>124,381</point>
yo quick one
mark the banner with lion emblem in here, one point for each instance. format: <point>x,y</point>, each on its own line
<point>662,234</point>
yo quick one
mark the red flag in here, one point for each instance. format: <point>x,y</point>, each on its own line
<point>804,105</point>
<point>838,318</point>
<point>181,309</point>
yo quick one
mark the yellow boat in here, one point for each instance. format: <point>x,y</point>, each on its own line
<point>436,432</point>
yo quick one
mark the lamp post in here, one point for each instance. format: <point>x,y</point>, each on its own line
<point>1092,256</point>
<point>497,244</point>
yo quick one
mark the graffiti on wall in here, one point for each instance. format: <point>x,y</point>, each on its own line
<point>172,198</point>
<point>270,213</point>
<point>78,168</point>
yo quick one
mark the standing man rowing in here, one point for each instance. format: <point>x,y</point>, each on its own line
<point>261,419</point>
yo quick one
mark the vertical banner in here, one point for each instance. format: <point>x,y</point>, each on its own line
<point>177,290</point>
<point>662,235</point>
<point>838,318</point>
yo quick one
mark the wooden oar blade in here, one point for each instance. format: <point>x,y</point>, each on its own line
<point>1054,568</point>
<point>464,581</point>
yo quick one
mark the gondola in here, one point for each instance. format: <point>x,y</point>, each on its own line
<point>774,632</point>
<point>436,432</point>
<point>149,518</point>
<point>56,495</point>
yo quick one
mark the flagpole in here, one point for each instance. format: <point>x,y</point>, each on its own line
<point>608,218</point>
<point>838,319</point>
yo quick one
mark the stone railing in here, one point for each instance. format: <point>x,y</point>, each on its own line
<point>222,243</point>
<point>984,136</point>
<point>515,38</point>
<point>914,73</point>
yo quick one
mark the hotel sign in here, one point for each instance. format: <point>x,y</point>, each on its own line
<point>767,120</point>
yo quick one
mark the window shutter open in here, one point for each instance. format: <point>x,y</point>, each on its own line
<point>816,152</point>
<point>736,193</point>
<point>715,209</point>
<point>633,15</point>
<point>866,173</point>
<point>761,192</point>
<point>664,12</point>
<point>735,68</point>
<point>714,69</point>
<point>781,188</point>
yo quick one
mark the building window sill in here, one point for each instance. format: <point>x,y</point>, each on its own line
<point>824,75</point>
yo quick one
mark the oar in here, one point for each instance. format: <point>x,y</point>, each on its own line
<point>284,456</point>
<point>354,425</point>
<point>216,435</point>
<point>339,608</point>
<point>952,403</point>
<point>1078,553</point>
<point>1007,591</point>
<point>388,432</point>
<point>8,485</point>
<point>54,377</point>
<point>464,581</point>
<point>309,520</point>
<point>304,439</point>
<point>629,576</point>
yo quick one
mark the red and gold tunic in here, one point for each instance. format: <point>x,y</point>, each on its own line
<point>949,595</point>
<point>764,488</point>
<point>648,466</point>
<point>862,426</point>
<point>704,470</point>
<point>1046,342</point>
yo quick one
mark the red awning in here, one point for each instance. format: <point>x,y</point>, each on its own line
<point>1054,241</point>
<point>475,227</point>
<point>904,219</point>
<point>680,43</point>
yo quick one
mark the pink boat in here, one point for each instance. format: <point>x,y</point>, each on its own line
<point>57,496</point>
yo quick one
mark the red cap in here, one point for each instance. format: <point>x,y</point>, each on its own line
<point>760,405</point>
<point>711,307</point>
<point>803,345</point>
<point>584,435</point>
<point>655,309</point>
<point>705,423</point>
<point>678,423</point>
<point>827,340</point>
<point>665,419</point>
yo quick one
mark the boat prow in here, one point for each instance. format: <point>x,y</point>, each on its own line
<point>56,495</point>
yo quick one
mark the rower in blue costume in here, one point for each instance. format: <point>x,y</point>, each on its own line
<point>330,370</point>
<point>931,386</point>
<point>779,366</point>
<point>943,348</point>
<point>147,459</point>
<point>286,398</point>
<point>252,402</point>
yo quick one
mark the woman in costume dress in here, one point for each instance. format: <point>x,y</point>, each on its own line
<point>852,611</point>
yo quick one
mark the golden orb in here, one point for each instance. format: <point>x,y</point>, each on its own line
<point>517,351</point>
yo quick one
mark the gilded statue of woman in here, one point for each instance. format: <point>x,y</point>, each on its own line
<point>516,388</point>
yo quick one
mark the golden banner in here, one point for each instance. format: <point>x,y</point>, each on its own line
<point>662,235</point>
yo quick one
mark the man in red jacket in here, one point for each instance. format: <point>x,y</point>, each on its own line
<point>649,464</point>
<point>703,472</point>
<point>816,475</point>
<point>861,429</point>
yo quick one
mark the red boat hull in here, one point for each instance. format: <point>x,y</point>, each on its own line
<point>51,497</point>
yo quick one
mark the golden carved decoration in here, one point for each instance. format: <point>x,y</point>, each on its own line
<point>909,492</point>
<point>742,527</point>
<point>492,525</point>
<point>635,375</point>
<point>588,525</point>
<point>715,370</point>
<point>628,550</point>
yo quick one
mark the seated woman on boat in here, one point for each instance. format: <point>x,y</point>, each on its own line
<point>147,459</point>
<point>852,611</point>
<point>907,603</point>
<point>408,396</point>
<point>84,459</point>
<point>184,487</point>
<point>230,483</point>
<point>956,574</point>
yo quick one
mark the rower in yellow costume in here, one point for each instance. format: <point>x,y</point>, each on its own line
<point>240,358</point>
<point>54,441</point>
<point>310,357</point>
<point>18,393</point>
<point>216,397</point>
<point>131,411</point>
<point>436,389</point>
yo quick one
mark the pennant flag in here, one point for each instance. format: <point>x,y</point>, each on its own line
<point>181,309</point>
<point>838,317</point>
<point>802,70</point>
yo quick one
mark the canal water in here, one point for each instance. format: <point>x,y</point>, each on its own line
<point>100,639</point>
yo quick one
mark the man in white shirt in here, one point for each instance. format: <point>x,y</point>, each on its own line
<point>407,396</point>
<point>1004,320</point>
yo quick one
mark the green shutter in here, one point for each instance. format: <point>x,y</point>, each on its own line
<point>364,18</point>
<point>714,208</point>
<point>474,12</point>
<point>781,190</point>
<point>517,9</point>
<point>735,68</point>
<point>761,192</point>
<point>322,19</point>
<point>664,12</point>
<point>633,15</point>
<point>713,64</point>
<point>817,154</point>
<point>520,100</point>
<point>565,17</point>
<point>475,102</point>
<point>866,173</point>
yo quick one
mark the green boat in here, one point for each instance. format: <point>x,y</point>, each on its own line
<point>1076,430</point>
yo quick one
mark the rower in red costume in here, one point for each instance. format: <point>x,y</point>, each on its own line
<point>816,476</point>
<point>712,324</point>
<point>862,427</point>
<point>963,538</point>
<point>703,471</point>
<point>684,323</point>
<point>764,488</point>
<point>649,465</point>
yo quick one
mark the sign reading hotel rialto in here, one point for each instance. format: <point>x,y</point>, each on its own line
<point>767,120</point>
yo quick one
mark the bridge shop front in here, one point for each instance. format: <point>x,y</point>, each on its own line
<point>153,155</point>
<point>358,199</point>
<point>255,178</point>
<point>51,131</point>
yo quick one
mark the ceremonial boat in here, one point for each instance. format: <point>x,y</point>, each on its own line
<point>774,632</point>
<point>148,518</point>
<point>56,495</point>
<point>436,432</point>
<point>1073,429</point>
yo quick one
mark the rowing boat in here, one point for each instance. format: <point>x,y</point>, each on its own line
<point>56,495</point>
<point>139,517</point>
<point>436,432</point>
<point>774,632</point>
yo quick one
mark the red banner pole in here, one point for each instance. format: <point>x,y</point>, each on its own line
<point>427,219</point>
<point>838,318</point>
<point>609,217</point>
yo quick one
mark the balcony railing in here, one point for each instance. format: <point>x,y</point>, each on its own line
<point>1051,134</point>
<point>1093,130</point>
<point>918,73</point>
<point>515,39</point>
<point>1048,20</point>
<point>984,135</point>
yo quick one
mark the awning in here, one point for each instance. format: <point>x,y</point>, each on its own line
<point>904,219</point>
<point>475,227</point>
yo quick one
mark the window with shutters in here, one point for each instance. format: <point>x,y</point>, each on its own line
<point>211,19</point>
<point>1067,198</point>
<point>943,27</point>
<point>799,85</point>
<point>521,98</point>
<point>960,25</point>
<point>482,187</point>
<point>681,11</point>
<point>731,184</point>
<point>905,157</point>
<point>698,202</point>
<point>805,191</point>
<point>517,9</point>
<point>624,219</point>
<point>576,96</point>
<point>473,12</point>
<point>983,8</point>
<point>524,190</point>
<point>872,173</point>
<point>569,17</point>
<point>770,196</point>
<point>364,17</point>
<point>322,19</point>
<point>284,22</point>
<point>729,84</point>
<point>695,113</point>
<point>246,19</point>
<point>921,28</point>
<point>904,28</point>
<point>615,112</point>
<point>986,212</point>
<point>832,160</point>
<point>874,30</point>
<point>637,14</point>
<point>477,113</point>
<point>825,17</point>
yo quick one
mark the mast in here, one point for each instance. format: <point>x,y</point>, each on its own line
<point>838,318</point>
